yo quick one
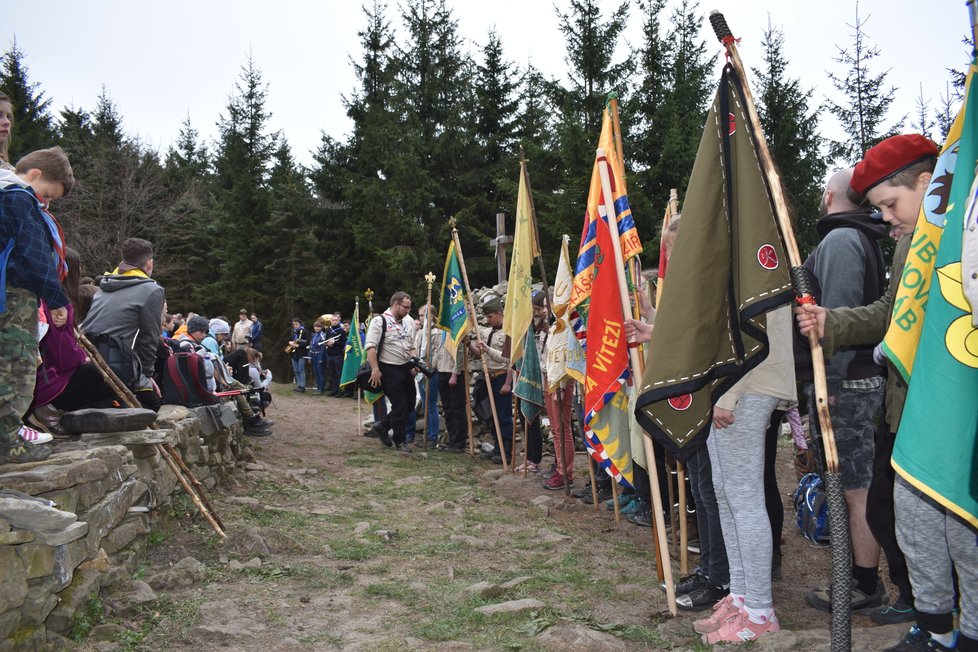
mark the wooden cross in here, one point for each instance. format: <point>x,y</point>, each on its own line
<point>500,242</point>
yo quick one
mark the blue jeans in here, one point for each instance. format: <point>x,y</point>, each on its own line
<point>504,410</point>
<point>299,367</point>
<point>713,553</point>
<point>319,366</point>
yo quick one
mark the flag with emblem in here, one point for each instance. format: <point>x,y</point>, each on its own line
<point>910,301</point>
<point>942,460</point>
<point>353,356</point>
<point>728,269</point>
<point>606,411</point>
<point>452,315</point>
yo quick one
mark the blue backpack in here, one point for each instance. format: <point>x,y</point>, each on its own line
<point>812,509</point>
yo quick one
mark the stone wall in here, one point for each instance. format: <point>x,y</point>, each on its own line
<point>77,522</point>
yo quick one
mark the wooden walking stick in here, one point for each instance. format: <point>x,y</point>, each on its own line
<point>478,337</point>
<point>430,279</point>
<point>838,512</point>
<point>635,363</point>
<point>594,482</point>
<point>129,399</point>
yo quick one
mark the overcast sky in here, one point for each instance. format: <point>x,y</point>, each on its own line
<point>162,61</point>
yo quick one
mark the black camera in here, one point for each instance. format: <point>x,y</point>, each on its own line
<point>421,366</point>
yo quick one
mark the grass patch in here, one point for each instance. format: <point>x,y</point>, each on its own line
<point>86,619</point>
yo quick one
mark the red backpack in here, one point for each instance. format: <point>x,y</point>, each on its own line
<point>185,381</point>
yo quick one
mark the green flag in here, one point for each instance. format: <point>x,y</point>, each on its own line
<point>728,269</point>
<point>353,356</point>
<point>935,447</point>
<point>529,385</point>
<point>452,315</point>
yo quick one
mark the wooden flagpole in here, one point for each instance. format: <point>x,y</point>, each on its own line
<point>672,212</point>
<point>175,462</point>
<point>841,553</point>
<point>430,278</point>
<point>468,397</point>
<point>478,337</point>
<point>636,366</point>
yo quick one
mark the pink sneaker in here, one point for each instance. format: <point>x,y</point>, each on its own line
<point>33,436</point>
<point>740,629</point>
<point>723,611</point>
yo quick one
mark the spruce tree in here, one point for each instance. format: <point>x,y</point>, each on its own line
<point>33,123</point>
<point>791,127</point>
<point>865,98</point>
<point>242,161</point>
<point>683,112</point>
<point>646,195</point>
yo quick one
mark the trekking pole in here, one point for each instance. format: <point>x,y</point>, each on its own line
<point>802,282</point>
<point>129,399</point>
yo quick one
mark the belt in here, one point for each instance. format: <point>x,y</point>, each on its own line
<point>496,374</point>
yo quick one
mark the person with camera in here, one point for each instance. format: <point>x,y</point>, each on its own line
<point>390,348</point>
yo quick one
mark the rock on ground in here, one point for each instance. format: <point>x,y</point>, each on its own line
<point>562,638</point>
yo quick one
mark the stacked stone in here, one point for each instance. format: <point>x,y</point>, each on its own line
<point>77,522</point>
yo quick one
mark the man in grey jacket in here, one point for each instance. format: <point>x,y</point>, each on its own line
<point>849,267</point>
<point>128,308</point>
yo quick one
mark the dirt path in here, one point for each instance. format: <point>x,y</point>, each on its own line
<point>372,550</point>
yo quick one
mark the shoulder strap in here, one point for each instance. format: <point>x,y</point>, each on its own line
<point>874,281</point>
<point>176,376</point>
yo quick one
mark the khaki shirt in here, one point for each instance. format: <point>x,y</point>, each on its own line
<point>398,339</point>
<point>495,339</point>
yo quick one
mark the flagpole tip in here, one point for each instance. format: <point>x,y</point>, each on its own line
<point>720,27</point>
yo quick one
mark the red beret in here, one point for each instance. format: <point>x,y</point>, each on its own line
<point>893,155</point>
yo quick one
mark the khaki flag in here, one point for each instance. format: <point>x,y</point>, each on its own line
<point>518,312</point>
<point>728,269</point>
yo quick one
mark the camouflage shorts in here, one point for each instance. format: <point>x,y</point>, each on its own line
<point>18,359</point>
<point>854,418</point>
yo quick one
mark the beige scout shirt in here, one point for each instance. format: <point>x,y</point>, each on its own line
<point>494,339</point>
<point>398,340</point>
<point>241,332</point>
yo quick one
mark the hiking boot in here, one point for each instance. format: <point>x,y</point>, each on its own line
<point>740,629</point>
<point>257,422</point>
<point>861,603</point>
<point>635,506</point>
<point>723,611</point>
<point>604,493</point>
<point>917,639</point>
<point>585,490</point>
<point>382,435</point>
<point>556,483</point>
<point>46,418</point>
<point>642,517</point>
<point>34,436</point>
<point>688,583</point>
<point>20,451</point>
<point>703,596</point>
<point>623,499</point>
<point>404,448</point>
<point>898,612</point>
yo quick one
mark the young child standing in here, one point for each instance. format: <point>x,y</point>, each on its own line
<point>32,265</point>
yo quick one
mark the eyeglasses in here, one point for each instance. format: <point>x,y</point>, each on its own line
<point>407,307</point>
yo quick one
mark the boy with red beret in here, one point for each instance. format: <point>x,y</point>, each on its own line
<point>894,176</point>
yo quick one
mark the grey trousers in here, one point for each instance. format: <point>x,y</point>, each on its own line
<point>737,456</point>
<point>937,543</point>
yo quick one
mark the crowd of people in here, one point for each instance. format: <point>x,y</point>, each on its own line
<point>122,316</point>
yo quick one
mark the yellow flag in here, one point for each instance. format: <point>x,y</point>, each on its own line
<point>910,302</point>
<point>518,313</point>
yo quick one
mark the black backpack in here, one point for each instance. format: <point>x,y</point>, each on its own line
<point>185,381</point>
<point>119,357</point>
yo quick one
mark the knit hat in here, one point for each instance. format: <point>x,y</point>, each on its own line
<point>891,156</point>
<point>538,299</point>
<point>197,323</point>
<point>218,326</point>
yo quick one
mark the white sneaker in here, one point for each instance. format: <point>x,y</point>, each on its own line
<point>34,436</point>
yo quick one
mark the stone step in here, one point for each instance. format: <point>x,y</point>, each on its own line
<point>106,420</point>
